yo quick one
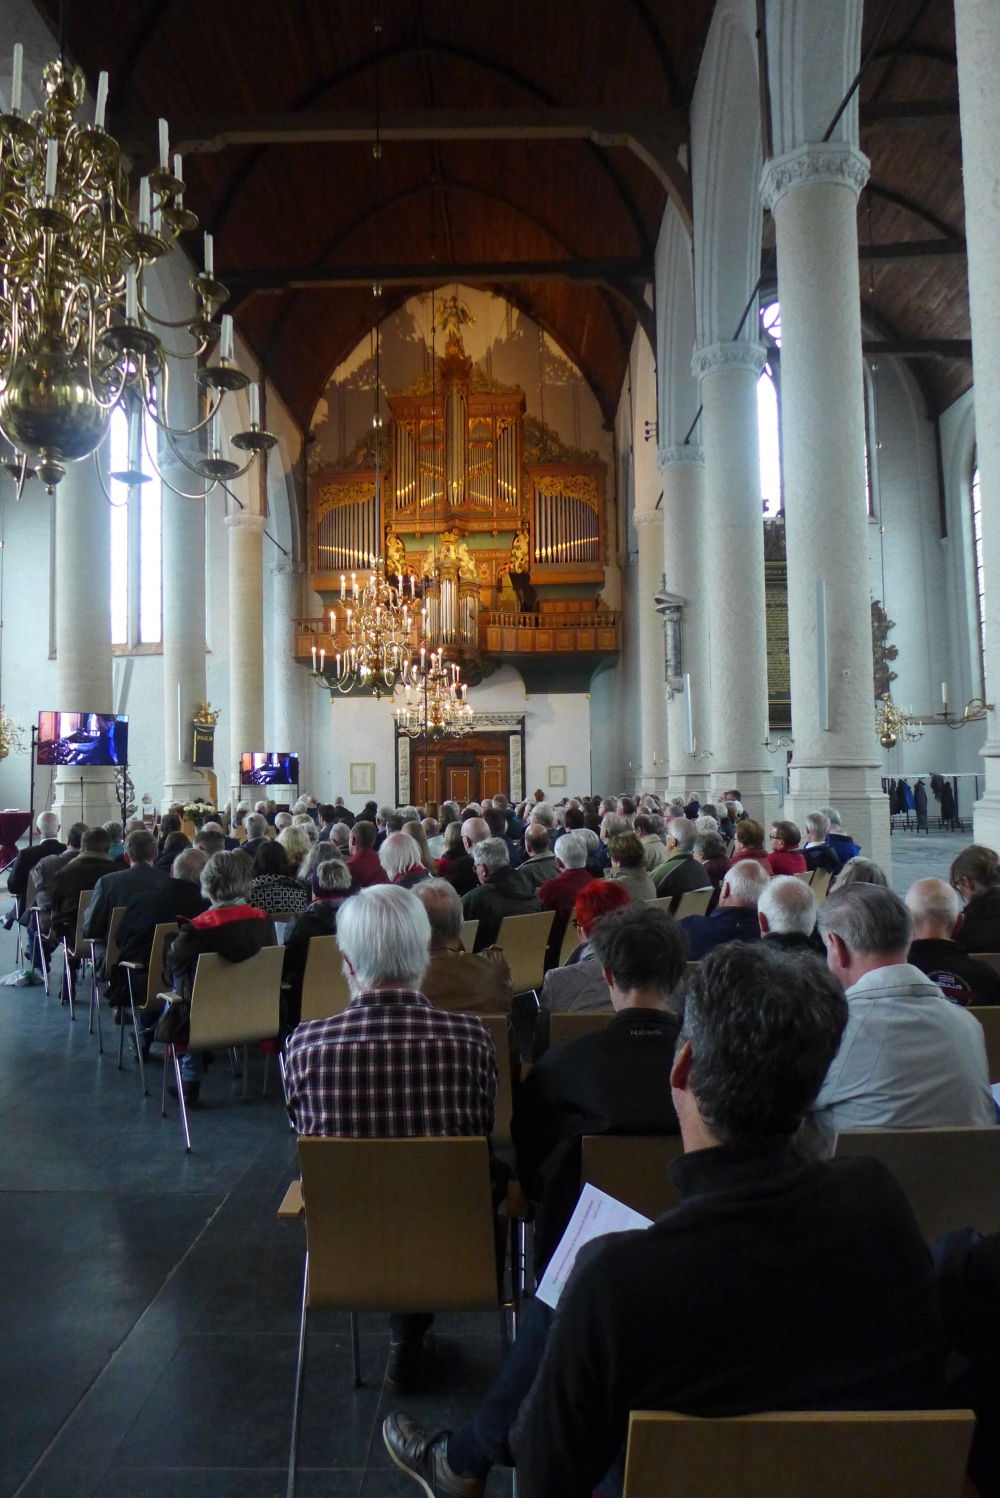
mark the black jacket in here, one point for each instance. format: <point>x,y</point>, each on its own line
<point>17,879</point>
<point>687,874</point>
<point>959,976</point>
<point>175,900</point>
<point>822,856</point>
<point>776,1285</point>
<point>794,941</point>
<point>118,889</point>
<point>460,873</point>
<point>728,923</point>
<point>504,893</point>
<point>81,873</point>
<point>615,1081</point>
<point>318,919</point>
<point>981,928</point>
<point>236,932</point>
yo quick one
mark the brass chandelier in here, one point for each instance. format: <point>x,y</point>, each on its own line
<point>378,622</point>
<point>76,336</point>
<point>435,705</point>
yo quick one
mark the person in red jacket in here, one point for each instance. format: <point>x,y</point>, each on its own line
<point>559,894</point>
<point>364,862</point>
<point>786,857</point>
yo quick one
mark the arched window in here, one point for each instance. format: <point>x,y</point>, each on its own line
<point>768,424</point>
<point>977,542</point>
<point>136,549</point>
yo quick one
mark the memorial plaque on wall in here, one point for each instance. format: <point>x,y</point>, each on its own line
<point>203,757</point>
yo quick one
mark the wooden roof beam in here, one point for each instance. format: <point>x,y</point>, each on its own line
<point>920,348</point>
<point>912,249</point>
<point>611,271</point>
<point>908,112</point>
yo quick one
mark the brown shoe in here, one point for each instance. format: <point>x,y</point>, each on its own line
<point>423,1455</point>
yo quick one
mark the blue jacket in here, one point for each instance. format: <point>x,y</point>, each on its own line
<point>729,923</point>
<point>843,846</point>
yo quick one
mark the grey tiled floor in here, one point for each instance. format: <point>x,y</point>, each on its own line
<point>924,855</point>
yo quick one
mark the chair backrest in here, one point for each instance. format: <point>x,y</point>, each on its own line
<point>837,1454</point>
<point>154,975</point>
<point>524,939</point>
<point>580,1022</point>
<point>821,883</point>
<point>467,935</point>
<point>240,833</point>
<point>324,987</point>
<point>111,957</point>
<point>951,1177</point>
<point>234,1003</point>
<point>189,830</point>
<point>399,1224</point>
<point>29,894</point>
<point>730,847</point>
<point>993,958</point>
<point>504,1105</point>
<point>693,902</point>
<point>806,875</point>
<point>570,942</point>
<point>83,905</point>
<point>988,1016</point>
<point>633,1168</point>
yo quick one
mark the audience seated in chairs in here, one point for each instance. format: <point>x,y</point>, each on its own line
<point>936,912</point>
<point>173,844</point>
<point>786,857</point>
<point>860,870</point>
<point>364,861</point>
<point>539,864</point>
<point>559,894</point>
<point>296,843</point>
<point>580,986</point>
<point>210,840</point>
<point>178,899</point>
<point>48,846</point>
<point>44,874</point>
<point>786,911</point>
<point>333,886</point>
<point>910,1059</point>
<point>843,846</point>
<point>78,874</point>
<point>415,829</point>
<point>401,859</point>
<point>169,822</point>
<point>456,864</point>
<point>628,866</point>
<point>776,1284</point>
<point>391,1064</point>
<point>318,853</point>
<point>502,891</point>
<point>457,980</point>
<point>749,838</point>
<point>611,825</point>
<point>119,887</point>
<point>274,888</point>
<point>256,830</point>
<point>975,875</point>
<point>735,917</point>
<point>710,851</point>
<point>818,852</point>
<point>614,1081</point>
<point>681,871</point>
<point>233,927</point>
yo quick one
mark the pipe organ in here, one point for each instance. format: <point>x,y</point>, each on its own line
<point>348,531</point>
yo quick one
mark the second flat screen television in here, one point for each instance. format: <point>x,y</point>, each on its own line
<point>269,769</point>
<point>82,739</point>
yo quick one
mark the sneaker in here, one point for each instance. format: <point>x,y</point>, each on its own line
<point>423,1455</point>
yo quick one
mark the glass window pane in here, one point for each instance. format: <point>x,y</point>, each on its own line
<point>770,452</point>
<point>150,578</point>
<point>118,461</point>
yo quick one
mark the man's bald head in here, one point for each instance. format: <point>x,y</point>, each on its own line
<point>475,830</point>
<point>935,909</point>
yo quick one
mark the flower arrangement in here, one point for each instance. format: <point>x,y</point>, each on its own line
<point>199,812</point>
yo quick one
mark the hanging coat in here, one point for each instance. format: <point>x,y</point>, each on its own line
<point>920,804</point>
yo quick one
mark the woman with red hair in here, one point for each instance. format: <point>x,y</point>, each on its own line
<point>580,985</point>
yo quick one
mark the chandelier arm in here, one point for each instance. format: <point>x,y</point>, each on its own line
<point>161,322</point>
<point>181,493</point>
<point>107,495</point>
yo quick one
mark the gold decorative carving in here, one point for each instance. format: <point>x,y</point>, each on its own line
<point>395,555</point>
<point>520,551</point>
<point>333,496</point>
<point>582,486</point>
<point>451,549</point>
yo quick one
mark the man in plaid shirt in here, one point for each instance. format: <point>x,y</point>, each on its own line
<point>390,1065</point>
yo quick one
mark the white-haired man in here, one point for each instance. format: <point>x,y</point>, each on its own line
<point>461,872</point>
<point>681,871</point>
<point>256,829</point>
<point>463,982</point>
<point>559,894</point>
<point>390,1065</point>
<point>936,912</point>
<point>48,846</point>
<point>816,850</point>
<point>500,891</point>
<point>786,911</point>
<point>612,825</point>
<point>735,916</point>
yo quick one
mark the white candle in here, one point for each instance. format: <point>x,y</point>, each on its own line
<point>216,440</point>
<point>164,146</point>
<point>255,407</point>
<point>314,657</point>
<point>944,695</point>
<point>100,108</point>
<point>178,166</point>
<point>226,340</point>
<point>209,256</point>
<point>134,441</point>
<point>144,202</point>
<point>156,220</point>
<point>51,167</point>
<point>131,295</point>
<point>342,587</point>
<point>322,658</point>
<point>15,82</point>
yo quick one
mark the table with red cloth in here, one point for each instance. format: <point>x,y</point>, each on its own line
<point>13,824</point>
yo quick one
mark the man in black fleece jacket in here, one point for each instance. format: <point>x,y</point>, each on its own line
<point>777,1284</point>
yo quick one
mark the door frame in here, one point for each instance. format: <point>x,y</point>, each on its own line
<point>509,730</point>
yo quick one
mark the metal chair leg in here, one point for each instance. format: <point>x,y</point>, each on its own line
<point>246,1078</point>
<point>121,1042</point>
<point>95,1003</point>
<point>166,1065</point>
<point>234,1061</point>
<point>181,1102</point>
<point>355,1350</point>
<point>41,950</point>
<point>300,1368</point>
<point>138,1051</point>
<point>284,1089</point>
<point>267,1071</point>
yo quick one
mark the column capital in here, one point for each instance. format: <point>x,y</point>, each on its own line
<point>667,457</point>
<point>715,356</point>
<point>243,520</point>
<point>825,162</point>
<point>288,565</point>
<point>642,518</point>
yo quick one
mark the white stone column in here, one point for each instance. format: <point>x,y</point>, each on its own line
<point>683,470</point>
<point>291,731</point>
<point>652,707</point>
<point>733,541</point>
<point>977,34</point>
<point>83,633</point>
<point>246,639</point>
<point>812,192</point>
<point>183,632</point>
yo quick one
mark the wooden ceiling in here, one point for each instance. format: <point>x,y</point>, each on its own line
<point>299,212</point>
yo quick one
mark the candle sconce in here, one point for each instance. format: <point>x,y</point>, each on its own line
<point>784,742</point>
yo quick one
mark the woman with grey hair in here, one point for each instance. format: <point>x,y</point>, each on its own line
<point>232,927</point>
<point>400,857</point>
<point>318,853</point>
<point>333,885</point>
<point>861,871</point>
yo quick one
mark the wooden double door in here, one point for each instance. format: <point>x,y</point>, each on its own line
<point>461,770</point>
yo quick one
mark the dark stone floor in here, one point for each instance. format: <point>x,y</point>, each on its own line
<point>149,1299</point>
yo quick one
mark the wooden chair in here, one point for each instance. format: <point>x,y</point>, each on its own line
<point>806,875</point>
<point>837,1454</point>
<point>394,1225</point>
<point>693,902</point>
<point>189,829</point>
<point>523,940</point>
<point>152,1005</point>
<point>570,941</point>
<point>993,958</point>
<point>633,1168</point>
<point>467,935</point>
<point>110,961</point>
<point>951,1177</point>
<point>988,1016</point>
<point>821,883</point>
<point>324,986</point>
<point>80,952</point>
<point>572,1026</point>
<point>232,1004</point>
<point>240,833</point>
<point>504,1105</point>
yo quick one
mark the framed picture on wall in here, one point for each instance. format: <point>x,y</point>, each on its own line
<point>557,774</point>
<point>362,779</point>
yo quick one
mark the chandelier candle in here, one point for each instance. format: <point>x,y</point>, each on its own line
<point>51,167</point>
<point>164,146</point>
<point>143,202</point>
<point>209,256</point>
<point>15,81</point>
<point>101,106</point>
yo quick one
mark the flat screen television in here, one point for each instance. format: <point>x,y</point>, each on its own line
<point>82,739</point>
<point>269,769</point>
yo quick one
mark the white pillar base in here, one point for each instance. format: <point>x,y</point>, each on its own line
<point>986,812</point>
<point>856,792</point>
<point>86,795</point>
<point>758,796</point>
<point>690,785</point>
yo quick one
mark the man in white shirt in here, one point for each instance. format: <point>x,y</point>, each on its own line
<point>910,1058</point>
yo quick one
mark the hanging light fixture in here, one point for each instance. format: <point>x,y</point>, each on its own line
<point>435,706</point>
<point>76,335</point>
